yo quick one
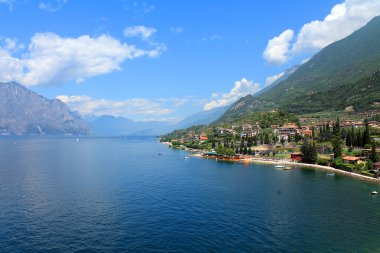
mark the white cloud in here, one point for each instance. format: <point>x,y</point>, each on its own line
<point>176,101</point>
<point>277,48</point>
<point>342,20</point>
<point>52,6</point>
<point>241,88</point>
<point>11,45</point>
<point>54,60</point>
<point>139,8</point>
<point>177,29</point>
<point>139,31</point>
<point>9,3</point>
<point>271,79</point>
<point>86,105</point>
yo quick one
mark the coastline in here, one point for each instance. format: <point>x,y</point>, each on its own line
<point>197,153</point>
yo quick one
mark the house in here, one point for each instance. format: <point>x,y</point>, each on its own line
<point>352,160</point>
<point>287,132</point>
<point>376,166</point>
<point>203,137</point>
<point>296,156</point>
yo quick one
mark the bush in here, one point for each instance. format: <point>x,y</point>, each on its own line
<point>323,161</point>
<point>338,163</point>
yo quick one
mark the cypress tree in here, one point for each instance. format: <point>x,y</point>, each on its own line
<point>373,155</point>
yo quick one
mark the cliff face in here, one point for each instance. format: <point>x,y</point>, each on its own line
<point>25,112</point>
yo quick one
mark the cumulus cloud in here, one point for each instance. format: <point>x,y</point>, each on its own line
<point>86,106</point>
<point>8,2</point>
<point>342,20</point>
<point>241,88</point>
<point>277,48</point>
<point>52,6</point>
<point>139,31</point>
<point>54,60</point>
<point>271,79</point>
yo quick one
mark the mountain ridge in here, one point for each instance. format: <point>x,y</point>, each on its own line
<point>24,112</point>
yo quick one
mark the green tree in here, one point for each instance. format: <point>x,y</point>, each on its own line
<point>336,146</point>
<point>309,153</point>
<point>366,134</point>
<point>336,140</point>
<point>373,155</point>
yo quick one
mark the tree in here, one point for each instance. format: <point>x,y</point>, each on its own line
<point>336,146</point>
<point>366,134</point>
<point>266,138</point>
<point>336,140</point>
<point>309,153</point>
<point>373,155</point>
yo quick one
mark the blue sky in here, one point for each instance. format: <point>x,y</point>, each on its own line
<point>163,60</point>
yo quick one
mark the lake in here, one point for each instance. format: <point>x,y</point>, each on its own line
<point>58,194</point>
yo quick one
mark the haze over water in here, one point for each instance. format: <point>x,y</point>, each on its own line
<point>112,194</point>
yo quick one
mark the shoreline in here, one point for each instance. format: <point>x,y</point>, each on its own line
<point>197,153</point>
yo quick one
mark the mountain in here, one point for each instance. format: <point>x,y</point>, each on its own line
<point>110,125</point>
<point>345,74</point>
<point>25,112</point>
<point>285,75</point>
<point>202,118</point>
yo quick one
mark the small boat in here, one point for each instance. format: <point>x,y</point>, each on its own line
<point>77,139</point>
<point>330,174</point>
<point>186,157</point>
<point>279,166</point>
<point>287,168</point>
<point>374,192</point>
<point>159,154</point>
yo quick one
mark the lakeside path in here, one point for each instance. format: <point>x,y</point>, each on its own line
<point>197,153</point>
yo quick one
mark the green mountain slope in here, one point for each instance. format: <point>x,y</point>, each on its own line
<point>345,73</point>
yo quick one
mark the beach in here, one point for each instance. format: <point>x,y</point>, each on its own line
<point>296,164</point>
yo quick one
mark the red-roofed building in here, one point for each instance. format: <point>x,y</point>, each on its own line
<point>296,156</point>
<point>203,137</point>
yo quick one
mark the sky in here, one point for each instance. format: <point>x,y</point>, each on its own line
<point>164,60</point>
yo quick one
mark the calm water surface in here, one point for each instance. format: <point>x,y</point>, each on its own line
<point>117,195</point>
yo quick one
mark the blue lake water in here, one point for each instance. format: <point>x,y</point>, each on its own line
<point>117,195</point>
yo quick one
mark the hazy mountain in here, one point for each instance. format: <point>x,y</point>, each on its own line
<point>25,112</point>
<point>110,125</point>
<point>344,74</point>
<point>202,118</point>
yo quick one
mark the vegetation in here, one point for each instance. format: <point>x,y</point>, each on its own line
<point>309,153</point>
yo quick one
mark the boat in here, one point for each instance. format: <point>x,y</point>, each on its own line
<point>159,154</point>
<point>279,166</point>
<point>374,192</point>
<point>77,139</point>
<point>186,157</point>
<point>330,174</point>
<point>287,168</point>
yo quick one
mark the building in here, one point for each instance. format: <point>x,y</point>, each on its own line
<point>296,156</point>
<point>376,166</point>
<point>287,132</point>
<point>352,160</point>
<point>203,137</point>
<point>305,131</point>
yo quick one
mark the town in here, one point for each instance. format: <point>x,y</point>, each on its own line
<point>350,144</point>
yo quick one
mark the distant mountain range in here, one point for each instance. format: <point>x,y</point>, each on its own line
<point>110,125</point>
<point>344,75</point>
<point>25,112</point>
